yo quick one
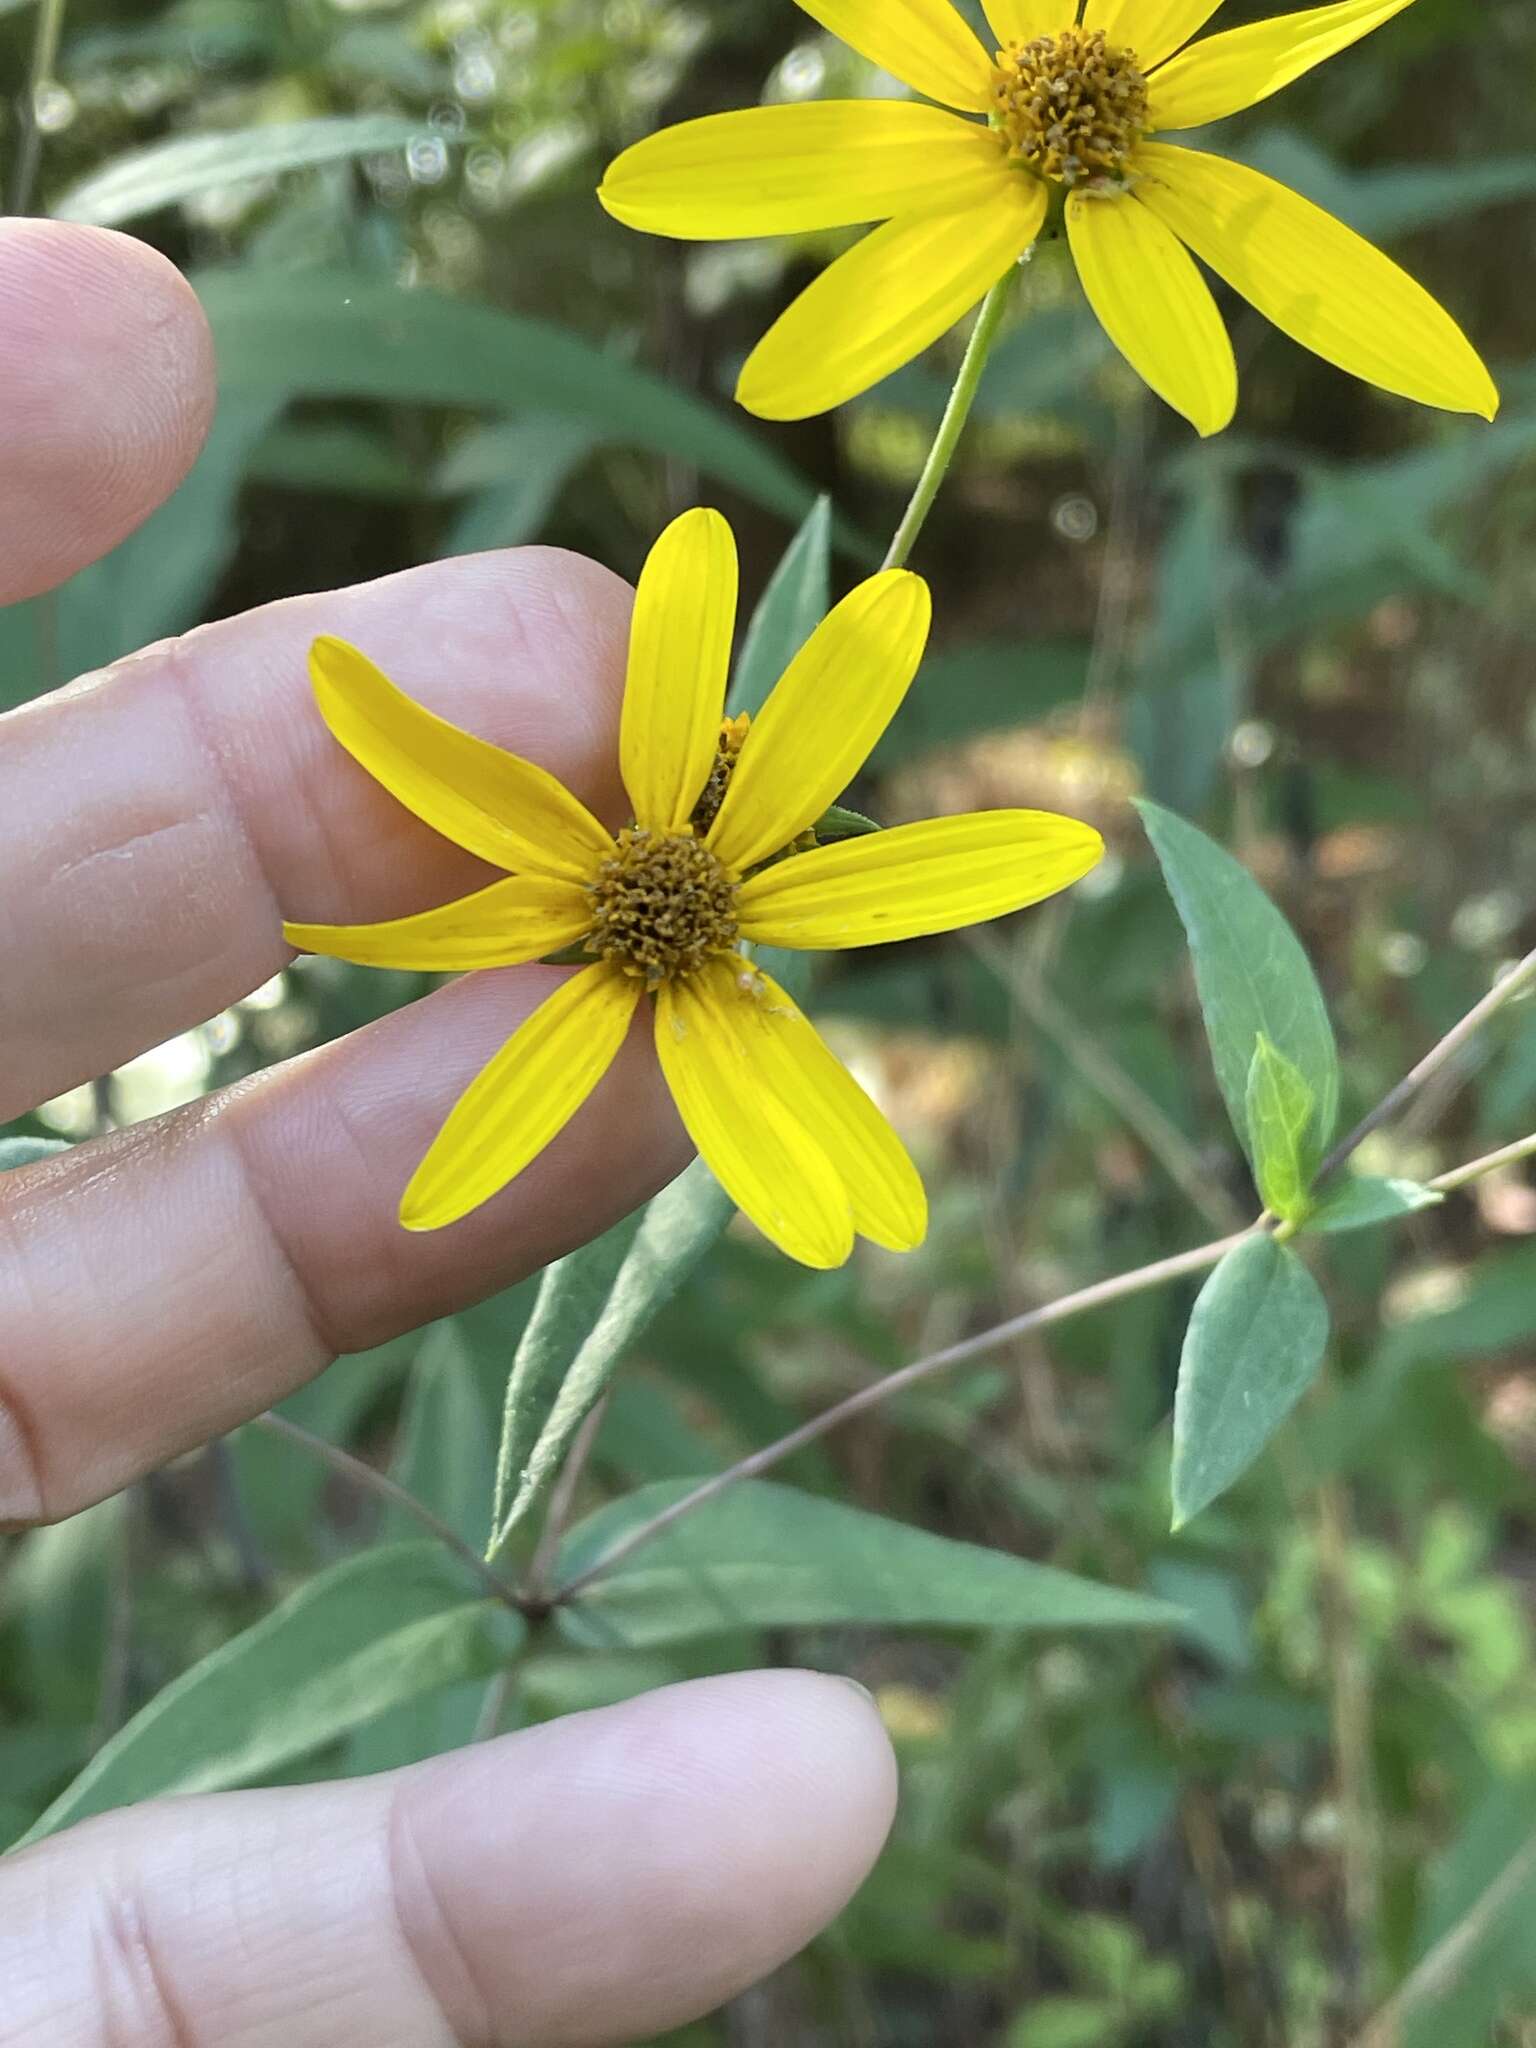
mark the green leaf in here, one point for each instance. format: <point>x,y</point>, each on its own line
<point>765,1556</point>
<point>592,1307</point>
<point>368,1634</point>
<point>147,179</point>
<point>1365,1201</point>
<point>1279,1109</point>
<point>994,686</point>
<point>1253,1347</point>
<point>55,1605</point>
<point>312,334</point>
<point>839,823</point>
<point>446,1455</point>
<point>796,601</point>
<point>1253,977</point>
<point>27,1151</point>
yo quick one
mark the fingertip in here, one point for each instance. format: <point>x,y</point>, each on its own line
<point>106,362</point>
<point>610,1875</point>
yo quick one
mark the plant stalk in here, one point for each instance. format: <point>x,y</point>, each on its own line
<point>29,148</point>
<point>983,336</point>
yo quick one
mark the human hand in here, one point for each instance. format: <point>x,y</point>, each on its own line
<point>590,1881</point>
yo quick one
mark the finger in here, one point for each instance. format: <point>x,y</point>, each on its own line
<point>592,1881</point>
<point>164,1284</point>
<point>158,819</point>
<point>107,369</point>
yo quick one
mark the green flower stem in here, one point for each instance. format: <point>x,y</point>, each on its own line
<point>45,56</point>
<point>1475,1169</point>
<point>988,326</point>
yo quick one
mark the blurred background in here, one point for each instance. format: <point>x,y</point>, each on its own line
<point>1312,635</point>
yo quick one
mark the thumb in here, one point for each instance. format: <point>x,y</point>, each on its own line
<point>595,1880</point>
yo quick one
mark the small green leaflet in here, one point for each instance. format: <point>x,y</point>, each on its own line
<point>147,179</point>
<point>1253,978</point>
<point>365,1636</point>
<point>1280,1106</point>
<point>1365,1201</point>
<point>1254,1345</point>
<point>767,1556</point>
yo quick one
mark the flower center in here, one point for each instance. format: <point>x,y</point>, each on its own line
<point>1069,107</point>
<point>733,733</point>
<point>661,906</point>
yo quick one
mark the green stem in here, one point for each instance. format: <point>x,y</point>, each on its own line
<point>45,54</point>
<point>988,326</point>
<point>1463,1176</point>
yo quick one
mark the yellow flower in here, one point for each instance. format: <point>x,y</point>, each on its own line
<point>1069,110</point>
<point>666,906</point>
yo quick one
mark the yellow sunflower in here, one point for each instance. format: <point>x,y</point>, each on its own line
<point>1070,101</point>
<point>709,864</point>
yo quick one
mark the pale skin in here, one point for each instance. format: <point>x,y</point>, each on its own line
<point>593,1881</point>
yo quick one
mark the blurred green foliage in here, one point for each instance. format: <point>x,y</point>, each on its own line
<point>1311,634</point>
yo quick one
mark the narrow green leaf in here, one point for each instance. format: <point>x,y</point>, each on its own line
<point>358,1639</point>
<point>147,179</point>
<point>446,1455</point>
<point>27,1151</point>
<point>1280,1125</point>
<point>322,335</point>
<point>840,823</point>
<point>1253,1347</point>
<point>766,1556</point>
<point>797,599</point>
<point>1253,977</point>
<point>1365,1201</point>
<point>592,1306</point>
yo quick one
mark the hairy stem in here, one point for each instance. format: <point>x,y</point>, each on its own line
<point>29,147</point>
<point>394,1495</point>
<point>988,326</point>
<point>1515,983</point>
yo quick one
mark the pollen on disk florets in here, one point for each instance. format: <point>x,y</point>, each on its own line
<point>1069,106</point>
<point>733,734</point>
<point>661,906</point>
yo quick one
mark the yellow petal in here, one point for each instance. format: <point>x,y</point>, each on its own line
<point>922,42</point>
<point>767,1162</point>
<point>529,1092</point>
<point>886,1191</point>
<point>1316,279</point>
<point>1021,21</point>
<point>519,919</point>
<point>794,170</point>
<point>916,879</point>
<point>1226,73</point>
<point>679,656</point>
<point>1155,306</point>
<point>506,810</point>
<point>823,717</point>
<point>1154,29</point>
<point>887,299</point>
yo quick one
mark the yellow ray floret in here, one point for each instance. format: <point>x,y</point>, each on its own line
<point>714,858</point>
<point>1071,106</point>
